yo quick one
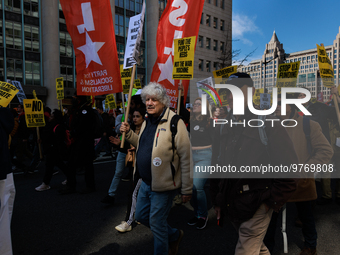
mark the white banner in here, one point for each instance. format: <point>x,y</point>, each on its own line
<point>134,39</point>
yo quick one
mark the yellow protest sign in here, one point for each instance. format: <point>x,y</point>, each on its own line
<point>60,88</point>
<point>7,93</point>
<point>137,84</point>
<point>287,75</point>
<point>34,113</point>
<point>257,96</point>
<point>325,67</point>
<point>110,100</point>
<point>225,72</point>
<point>184,58</point>
<point>125,75</point>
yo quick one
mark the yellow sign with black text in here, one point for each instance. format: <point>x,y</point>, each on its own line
<point>325,67</point>
<point>257,96</point>
<point>110,100</point>
<point>287,75</point>
<point>137,84</point>
<point>60,88</point>
<point>125,75</point>
<point>184,58</point>
<point>7,93</point>
<point>34,113</point>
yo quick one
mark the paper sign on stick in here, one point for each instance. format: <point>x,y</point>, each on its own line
<point>21,94</point>
<point>287,75</point>
<point>60,88</point>
<point>110,100</point>
<point>137,84</point>
<point>325,67</point>
<point>257,96</point>
<point>34,113</point>
<point>125,75</point>
<point>7,93</point>
<point>184,58</point>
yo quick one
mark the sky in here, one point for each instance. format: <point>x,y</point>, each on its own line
<point>299,24</point>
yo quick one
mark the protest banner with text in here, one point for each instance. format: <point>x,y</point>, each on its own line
<point>325,67</point>
<point>90,25</point>
<point>184,58</point>
<point>7,93</point>
<point>125,75</point>
<point>60,88</point>
<point>34,113</point>
<point>287,75</point>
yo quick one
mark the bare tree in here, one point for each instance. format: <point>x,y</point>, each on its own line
<point>229,57</point>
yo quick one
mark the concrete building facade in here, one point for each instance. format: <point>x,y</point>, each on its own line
<point>264,71</point>
<point>35,47</point>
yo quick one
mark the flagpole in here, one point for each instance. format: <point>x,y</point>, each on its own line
<point>179,97</point>
<point>336,106</point>
<point>129,101</point>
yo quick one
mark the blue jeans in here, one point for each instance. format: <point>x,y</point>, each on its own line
<point>152,210</point>
<point>120,165</point>
<point>201,158</point>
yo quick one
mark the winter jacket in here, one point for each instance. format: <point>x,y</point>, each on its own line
<point>322,152</point>
<point>161,155</point>
<point>6,126</point>
<point>240,146</point>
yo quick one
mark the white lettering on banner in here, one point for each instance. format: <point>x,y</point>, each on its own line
<point>168,50</point>
<point>174,15</point>
<point>87,17</point>
<point>96,89</point>
<point>99,81</point>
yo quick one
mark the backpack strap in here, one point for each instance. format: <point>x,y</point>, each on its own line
<point>173,129</point>
<point>306,130</point>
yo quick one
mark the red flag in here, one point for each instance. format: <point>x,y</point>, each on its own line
<point>181,18</point>
<point>90,25</point>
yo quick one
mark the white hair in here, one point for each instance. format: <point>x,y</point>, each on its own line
<point>156,91</point>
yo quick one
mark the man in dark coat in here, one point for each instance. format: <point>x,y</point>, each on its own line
<point>7,189</point>
<point>246,199</point>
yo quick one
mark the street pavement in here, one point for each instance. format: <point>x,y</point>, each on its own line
<point>46,223</point>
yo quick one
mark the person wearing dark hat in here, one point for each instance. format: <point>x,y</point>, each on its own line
<point>249,202</point>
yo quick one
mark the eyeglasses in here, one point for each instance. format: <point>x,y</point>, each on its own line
<point>197,104</point>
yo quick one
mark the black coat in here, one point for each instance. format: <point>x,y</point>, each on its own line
<point>6,126</point>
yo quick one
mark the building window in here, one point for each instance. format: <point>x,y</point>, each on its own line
<point>207,66</point>
<point>65,44</point>
<point>127,20</point>
<point>12,5</point>
<point>216,64</point>
<point>31,7</point>
<point>221,47</point>
<point>200,41</point>
<point>208,1</point>
<point>119,25</point>
<point>215,22</point>
<point>215,45</point>
<point>200,64</point>
<point>202,18</point>
<point>120,51</point>
<point>222,4</point>
<point>207,20</point>
<point>2,78</point>
<point>130,5</point>
<point>334,61</point>
<point>13,35</point>
<point>139,5</point>
<point>14,69</point>
<point>32,38</point>
<point>32,70</point>
<point>207,43</point>
<point>119,3</point>
<point>222,25</point>
<point>1,41</point>
<point>216,2</point>
<point>66,72</point>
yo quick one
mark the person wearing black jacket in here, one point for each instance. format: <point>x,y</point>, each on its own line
<point>7,189</point>
<point>54,141</point>
<point>82,130</point>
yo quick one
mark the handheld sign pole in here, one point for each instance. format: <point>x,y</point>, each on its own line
<point>129,102</point>
<point>38,133</point>
<point>179,97</point>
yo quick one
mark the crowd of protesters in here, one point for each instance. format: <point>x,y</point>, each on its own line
<point>161,153</point>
